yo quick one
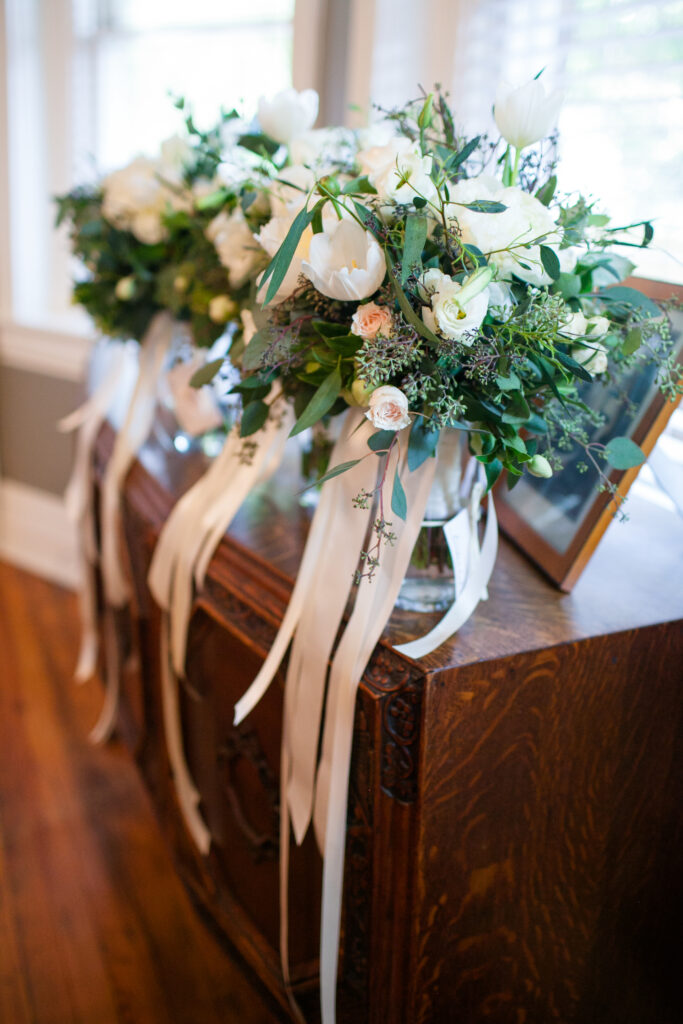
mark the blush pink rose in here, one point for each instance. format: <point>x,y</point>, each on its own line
<point>370,320</point>
<point>388,408</point>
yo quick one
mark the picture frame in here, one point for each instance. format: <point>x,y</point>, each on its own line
<point>558,522</point>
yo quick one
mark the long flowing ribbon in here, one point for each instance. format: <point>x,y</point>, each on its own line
<point>183,551</point>
<point>129,440</point>
<point>87,420</point>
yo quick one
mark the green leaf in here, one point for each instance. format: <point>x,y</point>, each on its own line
<point>251,360</point>
<point>253,417</point>
<point>346,346</point>
<point>421,443</point>
<point>458,159</point>
<point>493,471</point>
<point>509,383</point>
<point>415,238</point>
<point>359,186</point>
<point>407,310</point>
<point>623,453</point>
<point>419,202</point>
<point>399,505</point>
<point>484,206</point>
<point>212,201</point>
<point>279,265</point>
<point>335,471</point>
<point>368,218</point>
<point>625,299</point>
<point>381,440</point>
<point>568,285</point>
<point>321,402</point>
<point>327,330</point>
<point>476,255</point>
<point>551,263</point>
<point>206,373</point>
<point>632,341</point>
<point>573,366</point>
<point>547,191</point>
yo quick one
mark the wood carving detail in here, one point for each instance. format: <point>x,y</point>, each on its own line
<point>399,686</point>
<point>245,744</point>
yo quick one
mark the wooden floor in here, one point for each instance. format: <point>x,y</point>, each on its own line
<point>94,925</point>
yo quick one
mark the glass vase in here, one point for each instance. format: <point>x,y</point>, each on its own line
<point>430,580</point>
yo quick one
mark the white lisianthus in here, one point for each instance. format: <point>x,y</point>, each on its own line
<point>270,238</point>
<point>575,326</point>
<point>386,166</point>
<point>345,262</point>
<point>388,408</point>
<point>500,298</point>
<point>510,239</point>
<point>429,283</point>
<point>289,114</point>
<point>526,114</point>
<point>235,245</point>
<point>457,310</point>
<point>222,308</point>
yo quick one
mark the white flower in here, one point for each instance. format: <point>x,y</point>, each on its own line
<point>525,115</point>
<point>270,238</point>
<point>248,326</point>
<point>500,298</point>
<point>289,192</point>
<point>176,154</point>
<point>288,114</point>
<point>510,239</point>
<point>135,197</point>
<point>539,466</point>
<point>222,308</point>
<point>429,283</point>
<point>235,246</point>
<point>387,166</point>
<point>594,358</point>
<point>345,261</point>
<point>125,288</point>
<point>597,326</point>
<point>324,149</point>
<point>575,326</point>
<point>388,408</point>
<point>459,309</point>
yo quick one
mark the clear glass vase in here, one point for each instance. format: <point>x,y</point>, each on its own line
<point>187,418</point>
<point>429,583</point>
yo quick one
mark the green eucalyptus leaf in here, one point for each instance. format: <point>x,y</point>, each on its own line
<point>624,299</point>
<point>359,186</point>
<point>546,192</point>
<point>484,206</point>
<point>550,261</point>
<point>574,367</point>
<point>321,402</point>
<point>381,440</point>
<point>632,341</point>
<point>509,383</point>
<point>206,373</point>
<point>422,443</point>
<point>251,360</point>
<point>335,471</point>
<point>279,265</point>
<point>253,417</point>
<point>399,504</point>
<point>493,470</point>
<point>415,238</point>
<point>623,453</point>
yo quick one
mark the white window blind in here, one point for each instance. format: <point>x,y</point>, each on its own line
<point>621,127</point>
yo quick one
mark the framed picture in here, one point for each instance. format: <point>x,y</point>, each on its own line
<point>559,522</point>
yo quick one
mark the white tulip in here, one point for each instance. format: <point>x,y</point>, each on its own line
<point>345,261</point>
<point>289,114</point>
<point>235,245</point>
<point>526,114</point>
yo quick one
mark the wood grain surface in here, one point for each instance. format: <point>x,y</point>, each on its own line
<point>95,927</point>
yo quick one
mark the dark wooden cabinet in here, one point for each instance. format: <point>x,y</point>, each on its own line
<point>514,835</point>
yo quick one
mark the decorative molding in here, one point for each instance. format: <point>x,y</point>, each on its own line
<point>244,743</point>
<point>400,686</point>
<point>36,534</point>
<point>54,353</point>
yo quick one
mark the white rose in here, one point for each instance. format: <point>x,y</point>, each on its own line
<point>597,326</point>
<point>507,238</point>
<point>386,167</point>
<point>345,261</point>
<point>289,114</point>
<point>388,408</point>
<point>270,238</point>
<point>235,246</point>
<point>455,312</point>
<point>525,115</point>
<point>135,197</point>
<point>370,320</point>
<point>594,358</point>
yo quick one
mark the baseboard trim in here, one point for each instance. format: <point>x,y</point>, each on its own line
<point>35,533</point>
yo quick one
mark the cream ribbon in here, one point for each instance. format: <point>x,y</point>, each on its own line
<point>182,554</point>
<point>87,420</point>
<point>129,439</point>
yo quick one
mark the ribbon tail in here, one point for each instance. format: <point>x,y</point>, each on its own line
<point>104,726</point>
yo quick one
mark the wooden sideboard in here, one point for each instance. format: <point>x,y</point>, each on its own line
<point>515,835</point>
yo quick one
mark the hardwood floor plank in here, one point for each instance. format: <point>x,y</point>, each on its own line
<point>95,927</point>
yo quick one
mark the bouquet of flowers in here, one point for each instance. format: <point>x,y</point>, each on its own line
<point>440,282</point>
